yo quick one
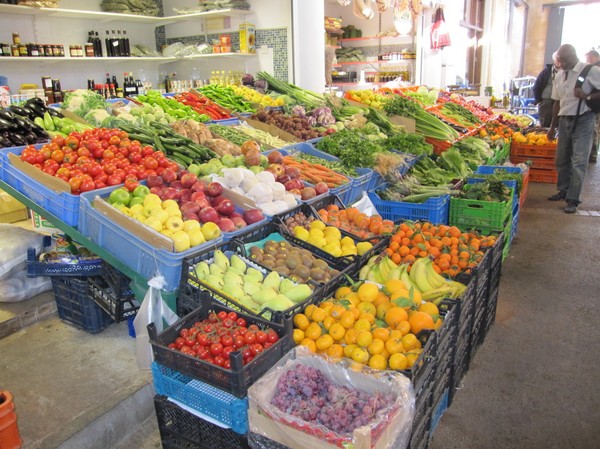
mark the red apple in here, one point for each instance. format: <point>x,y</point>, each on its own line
<point>225,207</point>
<point>180,173</point>
<point>186,195</point>
<point>253,215</point>
<point>188,180</point>
<point>208,214</point>
<point>250,145</point>
<point>198,186</point>
<point>169,175</point>
<point>283,178</point>
<point>197,195</point>
<point>156,190</point>
<point>189,216</point>
<point>176,185</point>
<point>276,169</point>
<point>235,214</point>
<point>238,222</point>
<point>292,172</point>
<point>294,184</point>
<point>190,206</point>
<point>321,188</point>
<point>169,193</point>
<point>275,157</point>
<point>202,202</point>
<point>214,189</point>
<point>308,193</point>
<point>226,225</point>
<point>154,181</point>
<point>215,201</point>
<point>295,192</point>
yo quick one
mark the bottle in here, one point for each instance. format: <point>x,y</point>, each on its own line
<point>108,78</point>
<point>57,91</point>
<point>109,50</point>
<point>126,44</point>
<point>114,43</point>
<point>114,82</point>
<point>120,44</point>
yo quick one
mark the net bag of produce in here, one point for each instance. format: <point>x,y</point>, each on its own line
<point>309,400</point>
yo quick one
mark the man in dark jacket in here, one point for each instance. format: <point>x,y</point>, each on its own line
<point>542,91</point>
<point>592,57</point>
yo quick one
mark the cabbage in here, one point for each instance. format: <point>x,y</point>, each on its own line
<point>82,101</point>
<point>97,116</point>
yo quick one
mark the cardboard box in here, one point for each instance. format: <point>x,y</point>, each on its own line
<point>42,225</point>
<point>247,38</point>
<point>52,182</point>
<point>11,210</point>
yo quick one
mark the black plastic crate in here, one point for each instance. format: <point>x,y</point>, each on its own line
<point>189,278</point>
<point>496,262</point>
<point>457,374</point>
<point>322,289</point>
<point>419,438</point>
<point>111,291</point>
<point>422,372</point>
<point>257,441</point>
<point>440,385</point>
<point>180,429</point>
<point>75,305</point>
<point>490,316</point>
<point>88,266</point>
<point>235,380</point>
<point>448,333</point>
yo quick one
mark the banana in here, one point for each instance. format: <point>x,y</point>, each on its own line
<point>405,277</point>
<point>385,268</point>
<point>395,273</point>
<point>373,274</point>
<point>433,277</point>
<point>420,276</point>
<point>364,271</point>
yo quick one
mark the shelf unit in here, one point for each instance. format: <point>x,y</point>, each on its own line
<point>355,63</point>
<point>28,59</point>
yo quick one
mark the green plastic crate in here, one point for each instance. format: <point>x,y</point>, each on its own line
<point>484,216</point>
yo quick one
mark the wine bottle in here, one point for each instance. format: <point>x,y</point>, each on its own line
<point>109,47</point>
<point>126,41</point>
<point>114,82</point>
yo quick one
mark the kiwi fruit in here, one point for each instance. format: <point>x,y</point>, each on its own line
<point>256,253</point>
<point>293,261</point>
<point>270,257</point>
<point>282,270</point>
<point>270,264</point>
<point>317,274</point>
<point>302,271</point>
<point>320,263</point>
<point>307,261</point>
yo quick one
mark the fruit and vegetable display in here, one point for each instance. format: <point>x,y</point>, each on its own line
<point>408,143</point>
<point>315,172</point>
<point>231,134</point>
<point>202,105</point>
<point>214,338</point>
<point>261,136</point>
<point>248,285</point>
<point>455,113</point>
<point>355,222</point>
<point>226,97</point>
<point>142,114</point>
<point>171,106</point>
<point>308,99</point>
<point>97,158</point>
<point>56,125</point>
<point>17,129</point>
<point>408,189</point>
<point>257,98</point>
<point>298,126</point>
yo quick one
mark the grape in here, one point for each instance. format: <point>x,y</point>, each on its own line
<point>305,393</point>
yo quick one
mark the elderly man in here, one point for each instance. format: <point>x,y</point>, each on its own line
<point>592,57</point>
<point>575,122</point>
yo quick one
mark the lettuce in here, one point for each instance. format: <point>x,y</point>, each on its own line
<point>82,101</point>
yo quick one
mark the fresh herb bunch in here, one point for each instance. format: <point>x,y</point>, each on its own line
<point>495,191</point>
<point>351,148</point>
<point>409,143</point>
<point>501,174</point>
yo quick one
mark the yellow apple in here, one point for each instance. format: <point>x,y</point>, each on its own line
<point>169,203</point>
<point>181,241</point>
<point>154,223</point>
<point>166,232</point>
<point>196,236</point>
<point>189,225</point>
<point>210,230</point>
<point>174,224</point>
<point>173,211</point>
<point>161,214</point>
<point>152,199</point>
<point>136,209</point>
<point>148,209</point>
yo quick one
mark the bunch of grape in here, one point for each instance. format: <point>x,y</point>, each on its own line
<point>307,394</point>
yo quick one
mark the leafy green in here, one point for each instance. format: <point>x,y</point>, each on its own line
<point>81,101</point>
<point>495,191</point>
<point>351,148</point>
<point>409,143</point>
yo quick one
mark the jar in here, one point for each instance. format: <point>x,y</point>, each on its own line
<point>32,50</point>
<point>89,50</point>
<point>14,49</point>
<point>5,49</point>
<point>16,38</point>
<point>23,50</point>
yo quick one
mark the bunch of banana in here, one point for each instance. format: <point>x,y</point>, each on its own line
<point>379,269</point>
<point>434,288</point>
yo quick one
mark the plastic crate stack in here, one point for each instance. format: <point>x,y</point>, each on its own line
<point>542,158</point>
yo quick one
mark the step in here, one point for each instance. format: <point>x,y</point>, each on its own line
<point>15,316</point>
<point>73,389</point>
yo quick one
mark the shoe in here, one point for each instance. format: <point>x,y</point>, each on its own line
<point>557,196</point>
<point>592,160</point>
<point>571,207</point>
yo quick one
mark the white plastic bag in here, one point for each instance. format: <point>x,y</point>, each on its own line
<point>365,205</point>
<point>152,310</point>
<point>14,242</point>
<point>19,287</point>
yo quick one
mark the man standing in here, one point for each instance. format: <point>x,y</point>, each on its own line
<point>592,57</point>
<point>542,91</point>
<point>575,125</point>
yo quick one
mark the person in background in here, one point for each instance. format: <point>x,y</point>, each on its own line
<point>575,122</point>
<point>542,91</point>
<point>593,57</point>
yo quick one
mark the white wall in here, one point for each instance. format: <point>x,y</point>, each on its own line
<point>309,44</point>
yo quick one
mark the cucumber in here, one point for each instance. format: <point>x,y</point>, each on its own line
<point>48,122</point>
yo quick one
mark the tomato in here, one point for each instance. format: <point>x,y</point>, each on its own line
<point>99,184</point>
<point>52,165</point>
<point>63,171</point>
<point>109,169</point>
<point>57,155</point>
<point>82,160</point>
<point>147,151</point>
<point>228,323</point>
<point>222,315</point>
<point>227,364</point>
<point>179,342</point>
<point>108,154</point>
<point>173,166</point>
<point>114,140</point>
<point>131,184</point>
<point>212,317</point>
<point>249,338</point>
<point>58,140</point>
<point>227,350</point>
<point>70,158</point>
<point>120,173</point>
<point>232,316</point>
<point>208,329</point>
<point>219,360</point>
<point>75,183</point>
<point>253,328</point>
<point>123,162</point>
<point>125,142</point>
<point>102,177</point>
<point>95,169</point>
<point>87,185</point>
<point>227,340</point>
<point>187,350</point>
<point>83,151</point>
<point>72,141</point>
<point>113,180</point>
<point>241,322</point>
<point>272,336</point>
<point>257,348</point>
<point>92,145</point>
<point>135,147</point>
<point>203,339</point>
<point>268,344</point>
<point>150,163</point>
<point>184,332</point>
<point>216,348</point>
<point>261,337</point>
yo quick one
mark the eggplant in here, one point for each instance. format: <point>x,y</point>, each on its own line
<point>6,115</point>
<point>18,140</point>
<point>5,142</point>
<point>31,114</point>
<point>18,110</point>
<point>36,100</point>
<point>31,138</point>
<point>37,109</point>
<point>23,124</point>
<point>5,125</point>
<point>55,113</point>
<point>40,132</point>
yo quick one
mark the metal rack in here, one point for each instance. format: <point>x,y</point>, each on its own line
<point>522,100</point>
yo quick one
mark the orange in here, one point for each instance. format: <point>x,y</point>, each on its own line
<point>336,311</point>
<point>337,331</point>
<point>347,319</point>
<point>393,345</point>
<point>336,351</point>
<point>377,361</point>
<point>326,306</point>
<point>394,315</point>
<point>367,316</point>
<point>350,336</point>
<point>318,315</point>
<point>438,324</point>
<point>298,336</point>
<point>362,325</point>
<point>393,285</point>
<point>313,331</point>
<point>310,344</point>
<point>360,355</point>
<point>376,346</point>
<point>419,321</point>
<point>398,361</point>
<point>368,292</point>
<point>328,321</point>
<point>381,333</point>
<point>364,338</point>
<point>309,309</point>
<point>367,307</point>
<point>324,342</point>
<point>381,299</point>
<point>412,357</point>
<point>403,327</point>
<point>430,309</point>
<point>382,308</point>
<point>342,291</point>
<point>348,350</point>
<point>301,321</point>
<point>410,342</point>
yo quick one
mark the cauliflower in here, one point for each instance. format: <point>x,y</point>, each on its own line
<point>97,116</point>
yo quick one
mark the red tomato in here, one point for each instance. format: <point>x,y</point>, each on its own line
<point>109,169</point>
<point>232,316</point>
<point>52,165</point>
<point>120,173</point>
<point>239,342</point>
<point>58,140</point>
<point>147,151</point>
<point>71,158</point>
<point>63,171</point>
<point>135,157</point>
<point>241,322</point>
<point>226,351</point>
<point>101,177</point>
<point>272,336</point>
<point>95,169</point>
<point>99,184</point>
<point>249,338</point>
<point>75,183</point>
<point>87,185</point>
<point>219,360</point>
<point>203,339</point>
<point>216,348</point>
<point>113,180</point>
<point>261,337</point>
<point>114,140</point>
<point>227,340</point>
<point>108,154</point>
<point>150,163</point>
<point>57,155</point>
<point>131,184</point>
<point>257,348</point>
<point>179,342</point>
<point>222,315</point>
<point>253,328</point>
<point>72,141</point>
<point>212,317</point>
<point>227,364</point>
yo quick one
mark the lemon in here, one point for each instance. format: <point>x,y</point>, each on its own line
<point>332,239</point>
<point>316,224</point>
<point>314,232</point>
<point>301,233</point>
<point>363,247</point>
<point>330,230</point>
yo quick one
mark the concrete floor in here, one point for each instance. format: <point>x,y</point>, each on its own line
<point>533,383</point>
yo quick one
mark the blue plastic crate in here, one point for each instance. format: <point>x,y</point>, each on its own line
<point>307,148</point>
<point>137,254</point>
<point>202,397</point>
<point>435,210</point>
<point>360,184</point>
<point>63,205</point>
<point>224,121</point>
<point>438,411</point>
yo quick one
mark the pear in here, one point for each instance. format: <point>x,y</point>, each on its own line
<point>216,270</point>
<point>272,280</point>
<point>235,291</point>
<point>202,270</point>
<point>221,260</point>
<point>254,273</point>
<point>298,293</point>
<point>214,281</point>
<point>247,302</point>
<point>285,285</point>
<point>250,288</point>
<point>233,279</point>
<point>264,295</point>
<point>237,263</point>
<point>279,303</point>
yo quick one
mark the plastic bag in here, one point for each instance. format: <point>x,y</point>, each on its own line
<point>390,427</point>
<point>365,205</point>
<point>440,35</point>
<point>14,242</point>
<point>152,310</point>
<point>19,287</point>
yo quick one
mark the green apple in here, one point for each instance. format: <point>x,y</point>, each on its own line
<point>228,160</point>
<point>120,195</point>
<point>181,241</point>
<point>141,191</point>
<point>194,168</point>
<point>136,200</point>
